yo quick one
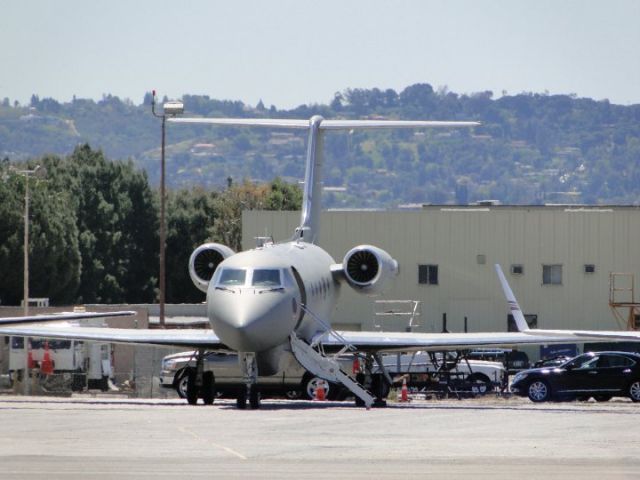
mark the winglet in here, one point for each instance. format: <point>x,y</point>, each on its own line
<point>514,308</point>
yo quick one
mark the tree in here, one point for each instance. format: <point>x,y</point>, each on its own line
<point>117,226</point>
<point>54,263</point>
<point>191,215</point>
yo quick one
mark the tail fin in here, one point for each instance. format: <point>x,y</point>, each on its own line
<point>316,125</point>
<point>514,308</point>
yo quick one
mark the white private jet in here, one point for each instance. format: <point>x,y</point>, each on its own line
<point>278,297</point>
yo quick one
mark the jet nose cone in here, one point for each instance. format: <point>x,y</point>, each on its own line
<point>251,321</point>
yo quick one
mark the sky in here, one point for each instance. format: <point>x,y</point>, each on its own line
<point>293,52</point>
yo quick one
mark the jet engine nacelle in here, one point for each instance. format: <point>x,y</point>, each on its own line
<point>203,263</point>
<point>367,268</point>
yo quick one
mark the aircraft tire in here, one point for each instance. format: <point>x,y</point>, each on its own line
<point>254,398</point>
<point>208,388</point>
<point>192,388</point>
<point>241,399</point>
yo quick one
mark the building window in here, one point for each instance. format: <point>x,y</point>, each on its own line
<point>552,274</point>
<point>481,259</point>
<point>428,274</point>
<point>589,268</point>
<point>517,269</point>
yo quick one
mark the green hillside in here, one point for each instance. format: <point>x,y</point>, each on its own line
<point>531,148</point>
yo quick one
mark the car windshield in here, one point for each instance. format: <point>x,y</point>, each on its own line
<point>266,278</point>
<point>232,277</point>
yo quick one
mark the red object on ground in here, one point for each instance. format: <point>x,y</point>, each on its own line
<point>404,393</point>
<point>46,366</point>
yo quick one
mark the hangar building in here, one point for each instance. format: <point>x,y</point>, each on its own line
<point>558,260</point>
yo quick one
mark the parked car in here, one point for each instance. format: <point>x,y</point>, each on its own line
<point>513,360</point>
<point>292,381</point>
<point>600,375</point>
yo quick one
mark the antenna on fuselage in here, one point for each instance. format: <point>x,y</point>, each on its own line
<point>311,201</point>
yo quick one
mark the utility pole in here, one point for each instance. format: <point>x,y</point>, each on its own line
<point>40,172</point>
<point>168,109</point>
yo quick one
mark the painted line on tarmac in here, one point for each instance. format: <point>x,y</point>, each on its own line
<point>217,445</point>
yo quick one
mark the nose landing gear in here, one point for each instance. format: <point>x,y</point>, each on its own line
<point>249,366</point>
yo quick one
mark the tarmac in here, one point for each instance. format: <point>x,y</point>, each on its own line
<point>119,438</point>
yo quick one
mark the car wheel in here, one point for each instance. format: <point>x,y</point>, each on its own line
<point>634,391</point>
<point>208,388</point>
<point>602,398</point>
<point>310,384</point>
<point>181,386</point>
<point>480,384</point>
<point>539,391</point>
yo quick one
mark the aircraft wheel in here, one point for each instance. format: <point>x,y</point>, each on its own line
<point>208,388</point>
<point>241,399</point>
<point>192,388</point>
<point>379,387</point>
<point>254,398</point>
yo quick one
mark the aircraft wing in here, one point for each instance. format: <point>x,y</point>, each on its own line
<point>56,317</point>
<point>407,342</point>
<point>192,338</point>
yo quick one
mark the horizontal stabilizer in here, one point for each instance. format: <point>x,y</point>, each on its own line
<point>324,125</point>
<point>245,122</point>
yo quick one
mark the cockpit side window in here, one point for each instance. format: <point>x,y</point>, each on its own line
<point>232,277</point>
<point>266,278</point>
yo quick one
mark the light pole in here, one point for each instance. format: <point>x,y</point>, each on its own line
<point>168,109</point>
<point>40,172</point>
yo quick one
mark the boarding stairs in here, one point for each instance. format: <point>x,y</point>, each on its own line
<point>327,368</point>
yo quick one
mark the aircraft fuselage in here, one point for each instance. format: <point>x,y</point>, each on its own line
<point>255,298</point>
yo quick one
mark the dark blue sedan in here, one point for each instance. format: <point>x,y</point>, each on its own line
<point>600,375</point>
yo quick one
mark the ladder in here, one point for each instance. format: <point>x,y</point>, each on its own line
<point>327,368</point>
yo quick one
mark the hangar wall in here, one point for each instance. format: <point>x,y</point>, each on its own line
<point>465,242</point>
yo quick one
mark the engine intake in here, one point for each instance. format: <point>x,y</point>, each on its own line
<point>203,263</point>
<point>367,268</point>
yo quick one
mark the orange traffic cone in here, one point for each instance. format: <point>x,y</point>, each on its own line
<point>30,362</point>
<point>404,392</point>
<point>320,393</point>
<point>46,366</point>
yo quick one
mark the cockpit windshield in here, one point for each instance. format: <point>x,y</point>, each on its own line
<point>266,278</point>
<point>232,277</point>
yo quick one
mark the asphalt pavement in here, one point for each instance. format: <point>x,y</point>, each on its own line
<point>111,438</point>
